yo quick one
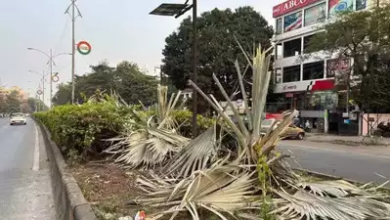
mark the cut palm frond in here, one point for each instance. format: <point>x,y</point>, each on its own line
<point>197,154</point>
<point>221,190</point>
<point>148,147</point>
<point>334,188</point>
<point>304,205</point>
<point>165,108</point>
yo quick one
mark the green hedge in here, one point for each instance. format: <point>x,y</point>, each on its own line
<point>184,119</point>
<point>80,130</point>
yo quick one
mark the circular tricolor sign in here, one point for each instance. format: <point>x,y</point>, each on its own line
<point>39,92</point>
<point>55,78</point>
<point>84,48</point>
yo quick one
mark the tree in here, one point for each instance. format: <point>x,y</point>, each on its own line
<point>362,36</point>
<point>35,104</point>
<point>13,102</point>
<point>218,48</point>
<point>63,95</point>
<point>126,79</point>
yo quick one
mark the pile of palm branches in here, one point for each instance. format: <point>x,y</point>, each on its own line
<point>151,141</point>
<point>249,181</point>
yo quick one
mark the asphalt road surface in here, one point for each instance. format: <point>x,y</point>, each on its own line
<point>361,165</point>
<point>25,188</point>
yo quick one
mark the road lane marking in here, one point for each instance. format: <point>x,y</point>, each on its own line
<point>36,151</point>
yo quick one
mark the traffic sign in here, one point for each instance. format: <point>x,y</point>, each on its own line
<point>84,48</point>
<point>39,92</point>
<point>54,77</point>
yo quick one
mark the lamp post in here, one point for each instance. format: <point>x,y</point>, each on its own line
<point>177,10</point>
<point>43,83</point>
<point>51,63</point>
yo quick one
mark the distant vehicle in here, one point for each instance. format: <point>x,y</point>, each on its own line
<point>291,131</point>
<point>17,118</point>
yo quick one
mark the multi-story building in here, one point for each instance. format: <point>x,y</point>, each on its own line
<point>296,21</point>
<point>306,82</point>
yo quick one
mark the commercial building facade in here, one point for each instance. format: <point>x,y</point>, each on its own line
<point>307,82</point>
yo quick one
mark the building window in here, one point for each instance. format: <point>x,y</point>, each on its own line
<point>361,4</point>
<point>337,67</point>
<point>278,75</point>
<point>279,26</point>
<point>292,48</point>
<point>278,51</point>
<point>336,6</point>
<point>293,21</point>
<point>306,41</point>
<point>315,14</point>
<point>313,70</point>
<point>292,74</point>
<point>321,100</point>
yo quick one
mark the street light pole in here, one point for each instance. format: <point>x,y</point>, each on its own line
<point>73,48</point>
<point>195,69</point>
<point>43,88</point>
<point>174,9</point>
<point>51,62</point>
<point>51,76</point>
<point>73,16</point>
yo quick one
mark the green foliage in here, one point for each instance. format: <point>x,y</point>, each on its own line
<point>82,129</point>
<point>184,120</point>
<point>13,102</point>
<point>217,46</point>
<point>35,104</point>
<point>126,79</point>
<point>362,36</point>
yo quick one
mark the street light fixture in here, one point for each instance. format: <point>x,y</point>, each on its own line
<point>43,83</point>
<point>176,10</point>
<point>51,63</point>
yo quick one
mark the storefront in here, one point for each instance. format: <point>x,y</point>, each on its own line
<point>309,95</point>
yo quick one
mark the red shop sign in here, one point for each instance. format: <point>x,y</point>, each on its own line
<point>290,5</point>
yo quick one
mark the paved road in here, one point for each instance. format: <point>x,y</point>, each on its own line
<point>25,188</point>
<point>348,162</point>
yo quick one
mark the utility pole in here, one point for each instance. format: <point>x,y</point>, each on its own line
<point>43,88</point>
<point>51,76</point>
<point>73,16</point>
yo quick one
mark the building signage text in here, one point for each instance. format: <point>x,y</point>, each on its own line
<point>290,5</point>
<point>289,88</point>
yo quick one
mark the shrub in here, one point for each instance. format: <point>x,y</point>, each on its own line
<point>184,119</point>
<point>81,129</point>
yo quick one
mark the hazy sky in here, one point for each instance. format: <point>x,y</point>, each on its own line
<point>117,30</point>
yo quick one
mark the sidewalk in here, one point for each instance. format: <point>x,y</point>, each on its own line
<point>347,140</point>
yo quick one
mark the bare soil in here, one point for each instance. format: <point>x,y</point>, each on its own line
<point>108,188</point>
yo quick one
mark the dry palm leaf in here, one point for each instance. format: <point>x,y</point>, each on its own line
<point>220,190</point>
<point>304,205</point>
<point>148,147</point>
<point>196,155</point>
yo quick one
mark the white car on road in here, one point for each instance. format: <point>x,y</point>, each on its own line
<point>18,118</point>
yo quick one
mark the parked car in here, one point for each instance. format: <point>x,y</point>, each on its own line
<point>291,131</point>
<point>17,118</point>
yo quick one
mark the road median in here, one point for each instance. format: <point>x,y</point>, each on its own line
<point>69,200</point>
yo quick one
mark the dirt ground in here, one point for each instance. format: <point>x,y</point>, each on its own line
<point>108,188</point>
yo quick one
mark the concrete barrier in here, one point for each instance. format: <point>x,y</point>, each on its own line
<point>69,200</point>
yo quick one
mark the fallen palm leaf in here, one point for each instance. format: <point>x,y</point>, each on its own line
<point>197,154</point>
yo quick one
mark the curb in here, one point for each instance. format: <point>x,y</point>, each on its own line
<point>331,177</point>
<point>326,176</point>
<point>68,198</point>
